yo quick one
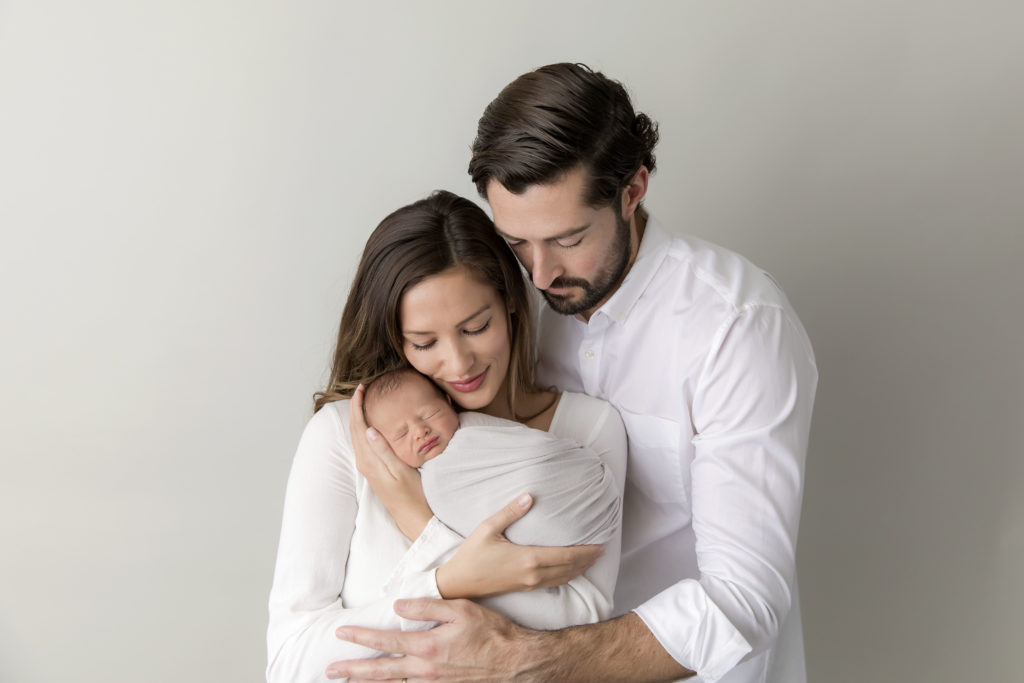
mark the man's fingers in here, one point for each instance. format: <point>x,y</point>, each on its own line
<point>395,642</point>
<point>498,522</point>
<point>426,609</point>
<point>380,669</point>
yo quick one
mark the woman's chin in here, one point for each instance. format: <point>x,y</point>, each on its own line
<point>474,400</point>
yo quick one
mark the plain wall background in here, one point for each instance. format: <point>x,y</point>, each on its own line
<point>185,188</point>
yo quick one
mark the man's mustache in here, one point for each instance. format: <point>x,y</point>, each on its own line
<point>562,282</point>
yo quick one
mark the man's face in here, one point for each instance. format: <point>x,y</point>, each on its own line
<point>575,254</point>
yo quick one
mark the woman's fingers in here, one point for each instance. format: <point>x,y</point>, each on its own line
<point>374,457</point>
<point>556,566</point>
<point>355,411</point>
<point>387,457</point>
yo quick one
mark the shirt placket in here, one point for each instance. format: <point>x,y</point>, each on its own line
<point>590,354</point>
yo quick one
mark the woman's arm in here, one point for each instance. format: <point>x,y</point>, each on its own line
<point>321,506</point>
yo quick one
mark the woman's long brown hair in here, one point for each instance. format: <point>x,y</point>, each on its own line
<point>412,244</point>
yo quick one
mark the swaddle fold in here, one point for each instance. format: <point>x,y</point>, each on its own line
<point>491,461</point>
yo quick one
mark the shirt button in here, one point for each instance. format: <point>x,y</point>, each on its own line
<point>588,354</point>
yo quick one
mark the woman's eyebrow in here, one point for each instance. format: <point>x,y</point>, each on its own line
<point>485,308</point>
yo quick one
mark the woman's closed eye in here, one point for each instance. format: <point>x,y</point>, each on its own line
<point>479,330</point>
<point>420,347</point>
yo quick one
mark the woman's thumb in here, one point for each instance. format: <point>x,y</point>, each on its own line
<point>510,513</point>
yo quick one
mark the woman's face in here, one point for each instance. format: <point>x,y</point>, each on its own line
<point>455,331</point>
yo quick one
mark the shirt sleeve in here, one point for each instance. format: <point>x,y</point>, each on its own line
<point>320,508</point>
<point>751,413</point>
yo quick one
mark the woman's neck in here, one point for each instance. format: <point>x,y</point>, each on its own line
<point>533,409</point>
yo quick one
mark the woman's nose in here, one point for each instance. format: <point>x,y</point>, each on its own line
<point>459,361</point>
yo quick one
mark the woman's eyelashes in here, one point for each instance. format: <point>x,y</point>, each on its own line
<point>479,330</point>
<point>474,331</point>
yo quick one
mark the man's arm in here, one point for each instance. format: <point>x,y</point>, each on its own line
<point>474,643</point>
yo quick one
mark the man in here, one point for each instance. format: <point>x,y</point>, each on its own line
<point>713,375</point>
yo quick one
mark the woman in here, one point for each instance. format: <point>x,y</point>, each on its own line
<point>439,290</point>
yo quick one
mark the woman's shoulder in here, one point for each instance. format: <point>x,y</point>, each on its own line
<point>330,423</point>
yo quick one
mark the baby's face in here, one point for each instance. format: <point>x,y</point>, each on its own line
<point>416,421</point>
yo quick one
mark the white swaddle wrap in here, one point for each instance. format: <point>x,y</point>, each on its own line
<point>491,461</point>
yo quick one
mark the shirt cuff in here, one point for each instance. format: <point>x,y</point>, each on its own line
<point>693,630</point>
<point>415,574</point>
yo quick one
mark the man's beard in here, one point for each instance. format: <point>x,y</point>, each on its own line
<point>606,281</point>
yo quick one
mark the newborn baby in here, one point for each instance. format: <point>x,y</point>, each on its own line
<point>471,464</point>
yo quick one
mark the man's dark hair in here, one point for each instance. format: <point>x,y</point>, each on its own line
<point>549,121</point>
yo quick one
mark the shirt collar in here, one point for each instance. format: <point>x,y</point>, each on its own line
<point>652,251</point>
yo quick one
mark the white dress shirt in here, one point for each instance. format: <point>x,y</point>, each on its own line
<point>342,560</point>
<point>714,378</point>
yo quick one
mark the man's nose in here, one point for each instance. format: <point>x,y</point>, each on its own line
<point>545,268</point>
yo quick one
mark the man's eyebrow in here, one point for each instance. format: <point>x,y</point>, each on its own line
<point>461,322</point>
<point>560,236</point>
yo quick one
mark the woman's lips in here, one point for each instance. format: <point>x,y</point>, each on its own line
<point>471,384</point>
<point>428,445</point>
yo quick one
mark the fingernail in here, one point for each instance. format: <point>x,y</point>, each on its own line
<point>401,604</point>
<point>341,633</point>
<point>523,500</point>
<point>331,673</point>
<point>371,434</point>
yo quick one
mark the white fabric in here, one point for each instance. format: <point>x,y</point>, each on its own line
<point>576,502</point>
<point>714,377</point>
<point>342,560</point>
<point>575,497</point>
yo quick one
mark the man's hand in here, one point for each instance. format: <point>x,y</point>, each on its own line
<point>472,643</point>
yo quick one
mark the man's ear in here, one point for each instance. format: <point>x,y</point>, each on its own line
<point>634,192</point>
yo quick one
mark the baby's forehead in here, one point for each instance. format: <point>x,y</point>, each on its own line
<point>405,392</point>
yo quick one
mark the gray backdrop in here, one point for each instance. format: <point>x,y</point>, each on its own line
<point>185,188</point>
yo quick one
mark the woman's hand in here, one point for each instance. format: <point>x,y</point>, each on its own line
<point>487,563</point>
<point>395,483</point>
